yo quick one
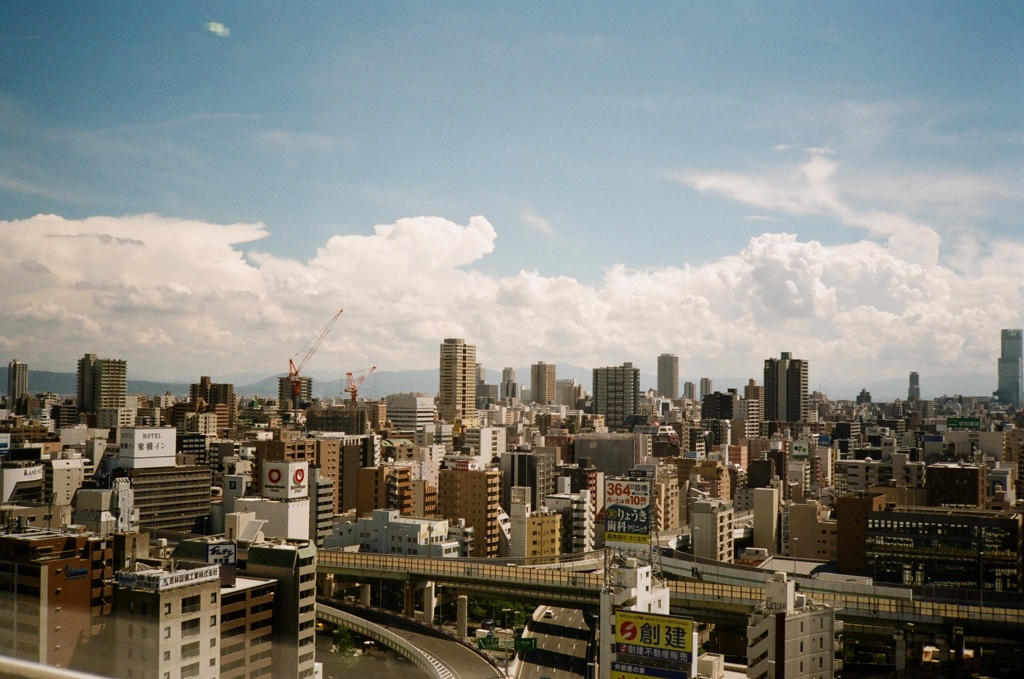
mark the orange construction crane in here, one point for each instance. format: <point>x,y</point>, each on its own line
<point>353,384</point>
<point>294,371</point>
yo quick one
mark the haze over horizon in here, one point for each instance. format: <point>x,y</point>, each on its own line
<point>198,188</point>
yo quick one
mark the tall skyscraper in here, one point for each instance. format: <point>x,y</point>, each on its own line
<point>706,387</point>
<point>457,389</point>
<point>1010,388</point>
<point>17,383</point>
<point>668,376</point>
<point>102,383</point>
<point>213,395</point>
<point>616,393</point>
<point>689,391</point>
<point>785,389</point>
<point>509,388</point>
<point>753,392</point>
<point>914,388</point>
<point>542,383</point>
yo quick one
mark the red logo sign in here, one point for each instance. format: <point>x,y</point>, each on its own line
<point>299,475</point>
<point>274,475</point>
<point>627,631</point>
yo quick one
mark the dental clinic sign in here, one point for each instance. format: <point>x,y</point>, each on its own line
<point>627,513</point>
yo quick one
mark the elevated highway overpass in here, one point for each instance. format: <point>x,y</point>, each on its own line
<point>701,599</point>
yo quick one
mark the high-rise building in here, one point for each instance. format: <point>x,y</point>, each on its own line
<point>706,387</point>
<point>1010,388</point>
<point>475,496</point>
<point>753,392</point>
<point>914,388</point>
<point>568,392</point>
<point>293,565</point>
<point>457,389</point>
<point>17,383</point>
<point>689,391</point>
<point>410,412</point>
<point>668,376</point>
<point>213,395</point>
<point>286,393</point>
<point>102,383</point>
<point>785,389</point>
<point>509,389</point>
<point>616,393</point>
<point>542,383</point>
<point>534,469</point>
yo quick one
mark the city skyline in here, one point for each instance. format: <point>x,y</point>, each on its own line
<point>839,181</point>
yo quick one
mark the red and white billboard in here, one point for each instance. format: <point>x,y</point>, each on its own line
<point>285,480</point>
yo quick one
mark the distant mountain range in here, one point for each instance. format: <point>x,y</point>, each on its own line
<point>384,382</point>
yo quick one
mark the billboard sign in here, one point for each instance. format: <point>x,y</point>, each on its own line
<point>970,423</point>
<point>648,635</point>
<point>627,514</point>
<point>623,670</point>
<point>285,480</point>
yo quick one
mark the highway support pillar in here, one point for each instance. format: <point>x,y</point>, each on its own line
<point>429,602</point>
<point>462,616</point>
<point>409,600</point>
<point>900,651</point>
<point>364,595</point>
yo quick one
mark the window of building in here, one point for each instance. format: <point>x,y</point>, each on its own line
<point>190,604</point>
<point>167,608</point>
<point>213,621</point>
<point>167,655</point>
<point>190,670</point>
<point>190,650</point>
<point>167,632</point>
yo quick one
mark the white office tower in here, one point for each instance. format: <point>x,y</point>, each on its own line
<point>411,412</point>
<point>790,636</point>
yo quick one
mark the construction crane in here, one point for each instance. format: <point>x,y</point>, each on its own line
<point>295,371</point>
<point>353,383</point>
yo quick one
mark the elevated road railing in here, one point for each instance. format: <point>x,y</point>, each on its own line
<point>711,599</point>
<point>382,635</point>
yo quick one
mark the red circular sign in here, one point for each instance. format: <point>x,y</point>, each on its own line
<point>299,475</point>
<point>627,631</point>
<point>274,475</point>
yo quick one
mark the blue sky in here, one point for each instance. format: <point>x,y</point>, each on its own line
<point>850,169</point>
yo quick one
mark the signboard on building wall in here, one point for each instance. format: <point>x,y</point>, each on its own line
<point>221,552</point>
<point>648,635</point>
<point>163,580</point>
<point>285,480</point>
<point>969,423</point>
<point>622,670</point>
<point>627,513</point>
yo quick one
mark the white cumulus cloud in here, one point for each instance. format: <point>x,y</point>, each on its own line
<point>179,298</point>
